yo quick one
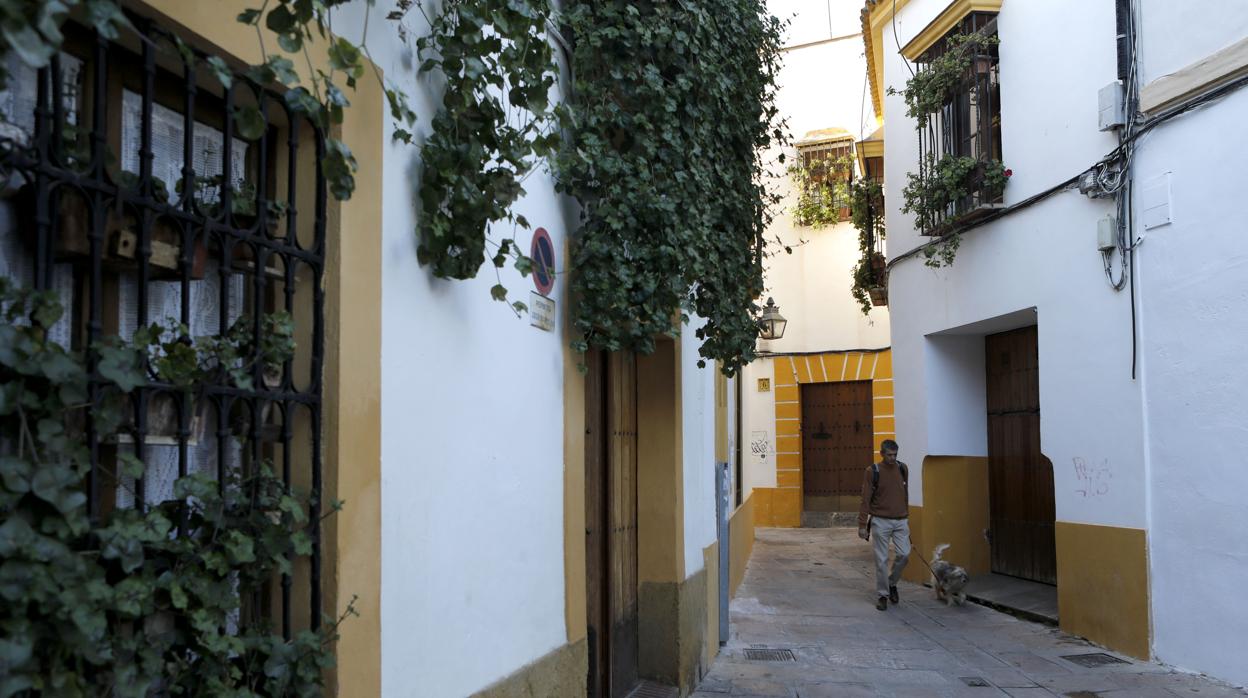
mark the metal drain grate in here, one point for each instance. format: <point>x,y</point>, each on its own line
<point>757,655</point>
<point>975,681</point>
<point>1094,659</point>
<point>650,689</point>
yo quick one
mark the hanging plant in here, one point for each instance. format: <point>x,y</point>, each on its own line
<point>939,193</point>
<point>932,87</point>
<point>866,208</point>
<point>945,189</point>
<point>673,103</point>
<point>495,124</point>
<point>822,193</point>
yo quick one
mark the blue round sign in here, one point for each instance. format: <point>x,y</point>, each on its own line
<point>543,254</point>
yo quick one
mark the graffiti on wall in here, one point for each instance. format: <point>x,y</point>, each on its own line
<point>760,445</point>
<point>1093,480</point>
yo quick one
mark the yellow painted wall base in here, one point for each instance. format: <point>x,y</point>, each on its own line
<point>1102,585</point>
<point>710,558</point>
<point>777,507</point>
<point>955,494</point>
<point>741,542</point>
<point>915,571</point>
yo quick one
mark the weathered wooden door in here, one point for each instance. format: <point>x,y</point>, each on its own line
<point>1020,478</point>
<point>837,442</point>
<point>611,522</point>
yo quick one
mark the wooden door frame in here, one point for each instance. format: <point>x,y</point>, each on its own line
<point>606,451</point>
<point>807,428</point>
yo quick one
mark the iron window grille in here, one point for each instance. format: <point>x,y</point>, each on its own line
<point>125,188</point>
<point>829,171</point>
<point>968,124</point>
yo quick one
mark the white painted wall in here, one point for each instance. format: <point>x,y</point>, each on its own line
<point>821,86</point>
<point>1043,257</point>
<point>698,415</point>
<point>957,395</point>
<point>472,431</point>
<point>1168,447</point>
<point>1192,294</point>
<point>758,448</point>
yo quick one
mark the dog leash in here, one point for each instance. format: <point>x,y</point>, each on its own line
<point>915,549</point>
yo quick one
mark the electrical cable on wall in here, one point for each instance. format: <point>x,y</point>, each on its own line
<point>897,40</point>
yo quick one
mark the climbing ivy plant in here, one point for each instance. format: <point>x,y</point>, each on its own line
<point>866,213</point>
<point>672,105</point>
<point>495,124</point>
<point>136,603</point>
<point>821,192</point>
<point>934,193</point>
<point>31,29</point>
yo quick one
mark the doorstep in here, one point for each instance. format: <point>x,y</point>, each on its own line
<point>1020,597</point>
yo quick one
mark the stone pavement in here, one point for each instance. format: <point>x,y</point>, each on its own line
<point>809,591</point>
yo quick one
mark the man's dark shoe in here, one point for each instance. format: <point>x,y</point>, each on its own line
<point>892,595</point>
<point>882,604</point>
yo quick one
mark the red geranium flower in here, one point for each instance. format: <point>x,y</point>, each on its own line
<point>1009,173</point>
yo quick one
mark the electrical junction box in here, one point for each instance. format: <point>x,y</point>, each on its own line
<point>1111,109</point>
<point>1107,233</point>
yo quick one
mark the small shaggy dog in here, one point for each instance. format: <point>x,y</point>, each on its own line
<point>949,580</point>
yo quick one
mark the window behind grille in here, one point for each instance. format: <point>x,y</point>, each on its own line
<point>829,166</point>
<point>969,123</point>
<point>125,188</point>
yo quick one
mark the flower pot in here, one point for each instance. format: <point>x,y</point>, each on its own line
<point>878,264</point>
<point>879,295</point>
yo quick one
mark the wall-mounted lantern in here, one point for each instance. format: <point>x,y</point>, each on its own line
<point>771,323</point>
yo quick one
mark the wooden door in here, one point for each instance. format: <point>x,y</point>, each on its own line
<point>611,522</point>
<point>1020,478</point>
<point>837,442</point>
<point>596,614</point>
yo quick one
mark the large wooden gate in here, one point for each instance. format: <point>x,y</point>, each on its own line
<point>611,522</point>
<point>837,442</point>
<point>1020,478</point>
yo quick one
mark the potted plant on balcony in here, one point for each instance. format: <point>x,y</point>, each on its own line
<point>869,288</point>
<point>951,191</point>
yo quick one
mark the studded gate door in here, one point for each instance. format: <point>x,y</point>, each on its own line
<point>837,443</point>
<point>1020,478</point>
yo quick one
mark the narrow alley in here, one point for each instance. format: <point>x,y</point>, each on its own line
<point>807,592</point>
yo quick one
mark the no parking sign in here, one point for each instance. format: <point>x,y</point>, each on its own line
<point>543,254</point>
<point>541,307</point>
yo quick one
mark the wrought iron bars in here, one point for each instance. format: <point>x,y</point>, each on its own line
<point>969,122</point>
<point>135,248</point>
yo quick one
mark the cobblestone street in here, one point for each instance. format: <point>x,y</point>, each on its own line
<point>809,591</point>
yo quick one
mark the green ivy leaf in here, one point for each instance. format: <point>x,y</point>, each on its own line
<point>221,71</point>
<point>249,122</point>
<point>28,45</point>
<point>283,69</point>
<point>107,18</point>
<point>250,16</point>
<point>345,56</point>
<point>121,366</point>
<point>16,473</point>
<point>281,20</point>
<point>131,466</point>
<point>290,43</point>
<point>498,292</point>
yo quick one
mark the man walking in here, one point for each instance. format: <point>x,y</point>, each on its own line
<point>885,514</point>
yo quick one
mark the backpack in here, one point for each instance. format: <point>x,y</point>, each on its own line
<point>875,477</point>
